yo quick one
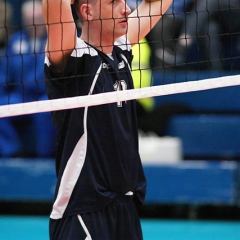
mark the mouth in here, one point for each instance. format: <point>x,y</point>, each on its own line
<point>124,20</point>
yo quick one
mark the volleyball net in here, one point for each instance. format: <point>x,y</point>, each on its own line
<point>111,97</point>
<point>191,37</point>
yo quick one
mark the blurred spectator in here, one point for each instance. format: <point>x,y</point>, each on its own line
<point>141,71</point>
<point>211,31</point>
<point>151,118</point>
<point>5,22</point>
<point>23,80</point>
<point>16,22</point>
<point>9,140</point>
<point>142,77</point>
<point>162,38</point>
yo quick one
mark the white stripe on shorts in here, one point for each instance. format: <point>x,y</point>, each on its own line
<point>84,228</point>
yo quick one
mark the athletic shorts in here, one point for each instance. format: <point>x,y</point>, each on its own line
<point>117,221</point>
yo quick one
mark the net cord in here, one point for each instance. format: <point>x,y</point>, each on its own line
<point>111,97</point>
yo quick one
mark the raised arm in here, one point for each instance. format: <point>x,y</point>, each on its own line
<point>61,30</point>
<point>144,18</point>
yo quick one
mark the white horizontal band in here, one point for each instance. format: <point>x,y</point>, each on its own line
<point>110,97</point>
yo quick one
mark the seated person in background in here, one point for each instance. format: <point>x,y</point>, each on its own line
<point>151,118</point>
<point>211,33</point>
<point>162,38</point>
<point>5,22</point>
<point>9,140</point>
<point>141,71</point>
<point>22,78</point>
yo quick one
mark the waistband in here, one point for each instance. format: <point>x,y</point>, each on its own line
<point>124,197</point>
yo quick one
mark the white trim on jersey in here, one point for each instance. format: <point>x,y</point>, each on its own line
<point>73,168</point>
<point>84,228</point>
<point>82,48</point>
<point>69,178</point>
<point>125,59</point>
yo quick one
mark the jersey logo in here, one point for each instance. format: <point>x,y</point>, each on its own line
<point>121,65</point>
<point>120,85</point>
<point>107,66</point>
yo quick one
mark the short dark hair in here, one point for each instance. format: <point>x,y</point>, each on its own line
<point>78,3</point>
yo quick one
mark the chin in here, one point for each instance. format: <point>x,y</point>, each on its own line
<point>120,34</point>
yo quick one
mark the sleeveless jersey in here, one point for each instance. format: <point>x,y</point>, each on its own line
<point>97,147</point>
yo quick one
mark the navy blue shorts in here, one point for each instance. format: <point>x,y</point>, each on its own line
<point>118,221</point>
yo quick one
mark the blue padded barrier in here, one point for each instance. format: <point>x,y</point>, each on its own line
<point>207,135</point>
<point>219,99</point>
<point>192,183</point>
<point>238,184</point>
<point>196,182</point>
<point>27,180</point>
<point>176,76</point>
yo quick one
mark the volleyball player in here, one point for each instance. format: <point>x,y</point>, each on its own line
<point>100,176</point>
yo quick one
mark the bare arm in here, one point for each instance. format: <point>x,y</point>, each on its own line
<point>144,18</point>
<point>61,30</point>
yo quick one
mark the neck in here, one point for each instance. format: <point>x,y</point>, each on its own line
<point>96,39</point>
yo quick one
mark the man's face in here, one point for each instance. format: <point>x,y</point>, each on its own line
<point>111,16</point>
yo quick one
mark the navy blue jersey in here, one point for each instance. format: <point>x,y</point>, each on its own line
<point>97,147</point>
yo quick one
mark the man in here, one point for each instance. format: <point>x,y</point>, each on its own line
<point>100,177</point>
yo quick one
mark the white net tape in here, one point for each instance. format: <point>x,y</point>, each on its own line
<point>111,97</point>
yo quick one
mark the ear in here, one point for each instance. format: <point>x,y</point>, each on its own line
<point>86,11</point>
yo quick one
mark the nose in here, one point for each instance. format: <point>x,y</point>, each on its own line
<point>125,9</point>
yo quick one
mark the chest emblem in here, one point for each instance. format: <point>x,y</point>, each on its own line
<point>121,65</point>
